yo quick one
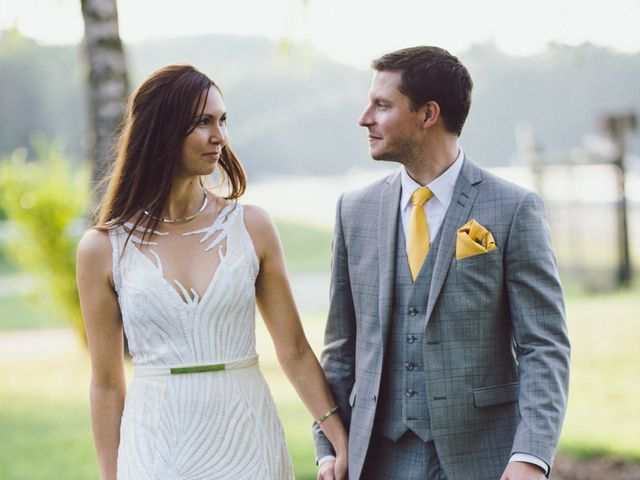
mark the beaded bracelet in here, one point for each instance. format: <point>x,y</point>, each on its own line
<point>327,414</point>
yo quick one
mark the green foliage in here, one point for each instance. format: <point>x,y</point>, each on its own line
<point>43,199</point>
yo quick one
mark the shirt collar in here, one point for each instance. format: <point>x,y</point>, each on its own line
<point>442,187</point>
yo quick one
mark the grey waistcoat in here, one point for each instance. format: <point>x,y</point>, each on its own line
<point>403,395</point>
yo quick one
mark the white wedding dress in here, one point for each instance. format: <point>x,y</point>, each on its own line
<point>219,424</point>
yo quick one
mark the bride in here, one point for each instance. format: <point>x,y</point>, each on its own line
<point>180,270</point>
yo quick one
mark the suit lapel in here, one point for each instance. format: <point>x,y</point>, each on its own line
<point>464,195</point>
<point>387,225</point>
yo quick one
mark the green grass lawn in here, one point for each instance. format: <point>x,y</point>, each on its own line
<point>44,415</point>
<point>306,249</point>
<point>44,419</point>
<point>603,417</point>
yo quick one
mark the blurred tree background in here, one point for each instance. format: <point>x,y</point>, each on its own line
<point>294,111</point>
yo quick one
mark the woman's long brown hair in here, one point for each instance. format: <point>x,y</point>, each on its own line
<point>159,116</point>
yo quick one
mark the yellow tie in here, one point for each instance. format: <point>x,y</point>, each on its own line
<point>418,245</point>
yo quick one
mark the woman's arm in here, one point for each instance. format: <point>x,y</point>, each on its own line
<point>295,355</point>
<point>103,324</point>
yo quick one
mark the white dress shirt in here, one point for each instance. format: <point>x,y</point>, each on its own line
<point>436,207</point>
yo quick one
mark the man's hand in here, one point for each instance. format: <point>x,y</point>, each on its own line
<point>326,470</point>
<point>333,470</point>
<point>522,471</point>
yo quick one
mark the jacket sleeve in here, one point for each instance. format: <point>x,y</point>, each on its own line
<point>338,356</point>
<point>539,328</point>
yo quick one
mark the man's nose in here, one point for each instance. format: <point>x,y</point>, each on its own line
<point>366,118</point>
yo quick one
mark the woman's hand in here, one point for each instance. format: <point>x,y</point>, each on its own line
<point>340,467</point>
<point>335,469</point>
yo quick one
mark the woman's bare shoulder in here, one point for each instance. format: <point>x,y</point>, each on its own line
<point>94,245</point>
<point>261,228</point>
<point>256,217</point>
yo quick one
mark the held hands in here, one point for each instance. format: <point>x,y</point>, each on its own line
<point>522,471</point>
<point>333,469</point>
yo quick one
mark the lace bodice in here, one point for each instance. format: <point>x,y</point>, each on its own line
<point>167,325</point>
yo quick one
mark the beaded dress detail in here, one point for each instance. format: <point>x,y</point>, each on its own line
<point>196,426</point>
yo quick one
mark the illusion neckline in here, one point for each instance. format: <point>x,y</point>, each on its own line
<point>222,222</point>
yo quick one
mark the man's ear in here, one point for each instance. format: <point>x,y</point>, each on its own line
<point>430,114</point>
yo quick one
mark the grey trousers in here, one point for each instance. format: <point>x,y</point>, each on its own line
<point>407,459</point>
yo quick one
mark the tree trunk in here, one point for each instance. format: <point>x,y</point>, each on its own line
<point>108,82</point>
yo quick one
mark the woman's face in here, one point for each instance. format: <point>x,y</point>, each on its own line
<point>202,148</point>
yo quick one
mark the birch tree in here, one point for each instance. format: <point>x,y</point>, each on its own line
<point>108,81</point>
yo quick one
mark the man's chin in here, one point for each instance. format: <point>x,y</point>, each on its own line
<point>376,155</point>
<point>381,157</point>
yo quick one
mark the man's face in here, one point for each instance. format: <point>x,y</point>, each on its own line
<point>394,130</point>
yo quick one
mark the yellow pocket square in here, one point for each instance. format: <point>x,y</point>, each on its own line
<point>473,239</point>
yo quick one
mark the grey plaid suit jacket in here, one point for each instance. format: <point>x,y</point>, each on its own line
<point>496,348</point>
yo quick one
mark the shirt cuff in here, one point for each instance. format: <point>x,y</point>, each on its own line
<point>324,459</point>
<point>527,458</point>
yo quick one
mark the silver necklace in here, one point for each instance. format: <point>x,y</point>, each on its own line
<point>184,219</point>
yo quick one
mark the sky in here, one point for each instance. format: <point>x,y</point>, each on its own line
<point>352,31</point>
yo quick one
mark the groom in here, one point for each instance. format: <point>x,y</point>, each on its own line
<point>446,347</point>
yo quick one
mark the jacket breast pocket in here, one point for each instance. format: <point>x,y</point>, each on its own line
<point>480,274</point>
<point>496,394</point>
<point>493,256</point>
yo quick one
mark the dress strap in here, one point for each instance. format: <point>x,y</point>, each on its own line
<point>249,246</point>
<point>117,235</point>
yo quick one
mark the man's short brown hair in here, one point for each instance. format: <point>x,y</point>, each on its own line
<point>432,74</point>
